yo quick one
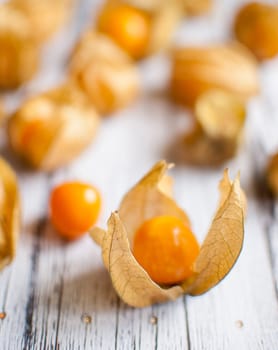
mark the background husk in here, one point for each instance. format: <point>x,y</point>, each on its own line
<point>45,16</point>
<point>19,56</point>
<point>164,17</point>
<point>104,72</point>
<point>196,70</point>
<point>218,253</point>
<point>9,213</point>
<point>218,130</point>
<point>272,174</point>
<point>197,7</point>
<point>69,124</point>
<point>256,26</point>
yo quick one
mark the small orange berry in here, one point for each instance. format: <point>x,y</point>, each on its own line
<point>74,208</point>
<point>166,248</point>
<point>128,27</point>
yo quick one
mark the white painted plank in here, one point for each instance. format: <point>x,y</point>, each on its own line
<point>68,281</point>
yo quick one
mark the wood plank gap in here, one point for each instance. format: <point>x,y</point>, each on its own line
<point>60,296</point>
<point>266,203</point>
<point>117,321</point>
<point>28,328</point>
<point>187,323</point>
<point>156,332</point>
<point>6,293</point>
<point>269,224</point>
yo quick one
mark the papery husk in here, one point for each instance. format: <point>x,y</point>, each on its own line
<point>9,214</point>
<point>195,70</point>
<point>223,243</point>
<point>256,26</point>
<point>272,174</point>
<point>145,200</point>
<point>67,125</point>
<point>104,72</point>
<point>164,18</point>
<point>218,130</point>
<point>197,7</point>
<point>45,16</point>
<point>19,55</point>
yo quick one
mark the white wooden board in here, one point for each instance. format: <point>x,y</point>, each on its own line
<point>52,288</point>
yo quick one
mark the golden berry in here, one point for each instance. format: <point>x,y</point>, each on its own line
<point>166,248</point>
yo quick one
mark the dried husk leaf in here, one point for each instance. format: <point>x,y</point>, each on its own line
<point>64,125</point>
<point>223,243</point>
<point>197,7</point>
<point>256,26</point>
<point>164,18</point>
<point>130,280</point>
<point>218,130</point>
<point>104,73</point>
<point>9,213</point>
<point>272,174</point>
<point>195,70</point>
<point>45,16</point>
<point>19,55</point>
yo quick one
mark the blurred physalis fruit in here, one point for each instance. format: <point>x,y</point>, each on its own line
<point>218,129</point>
<point>140,27</point>
<point>128,26</point>
<point>44,16</point>
<point>51,129</point>
<point>272,174</point>
<point>166,248</point>
<point>9,213</point>
<point>18,54</point>
<point>256,26</point>
<point>149,216</point>
<point>196,70</point>
<point>74,208</point>
<point>104,73</point>
<point>197,7</point>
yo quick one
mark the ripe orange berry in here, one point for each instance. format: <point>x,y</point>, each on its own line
<point>128,27</point>
<point>74,208</point>
<point>166,248</point>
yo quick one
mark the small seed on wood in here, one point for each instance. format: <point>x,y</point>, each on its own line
<point>85,318</point>
<point>153,320</point>
<point>239,324</point>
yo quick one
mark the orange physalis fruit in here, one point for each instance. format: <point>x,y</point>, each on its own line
<point>128,27</point>
<point>74,208</point>
<point>166,248</point>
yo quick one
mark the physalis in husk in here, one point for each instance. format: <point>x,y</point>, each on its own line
<point>272,174</point>
<point>148,215</point>
<point>256,26</point>
<point>218,130</point>
<point>229,67</point>
<point>104,73</point>
<point>45,16</point>
<point>9,213</point>
<point>197,7</point>
<point>51,129</point>
<point>140,27</point>
<point>19,55</point>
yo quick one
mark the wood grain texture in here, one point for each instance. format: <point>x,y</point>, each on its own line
<point>59,296</point>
